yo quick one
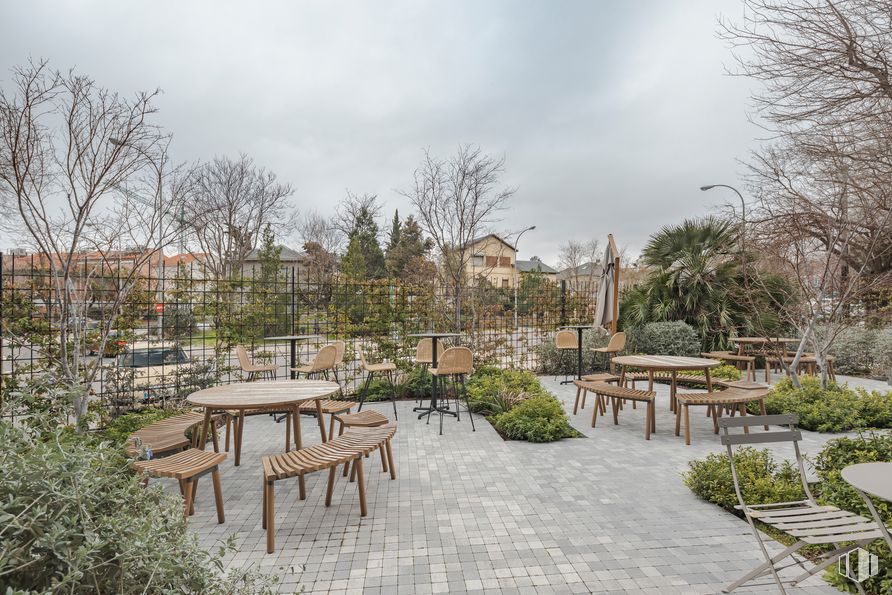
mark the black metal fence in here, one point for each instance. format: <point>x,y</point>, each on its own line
<point>177,329</point>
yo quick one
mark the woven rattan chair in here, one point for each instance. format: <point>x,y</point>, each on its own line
<point>615,345</point>
<point>251,369</point>
<point>388,369</point>
<point>323,363</point>
<point>805,520</point>
<point>340,350</point>
<point>455,364</point>
<point>565,340</point>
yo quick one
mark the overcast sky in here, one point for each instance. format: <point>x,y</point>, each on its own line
<point>610,114</point>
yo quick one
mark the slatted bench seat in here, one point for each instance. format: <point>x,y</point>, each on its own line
<point>581,392</point>
<point>168,435</point>
<point>634,377</point>
<point>747,361</point>
<point>616,394</point>
<point>733,399</point>
<point>187,467</point>
<point>346,448</point>
<point>330,407</point>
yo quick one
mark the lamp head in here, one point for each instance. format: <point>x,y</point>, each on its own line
<point>710,187</point>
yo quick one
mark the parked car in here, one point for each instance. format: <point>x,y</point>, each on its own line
<point>154,365</point>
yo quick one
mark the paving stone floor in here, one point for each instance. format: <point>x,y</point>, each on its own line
<point>470,512</point>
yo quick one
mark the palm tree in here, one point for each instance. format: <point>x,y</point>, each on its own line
<point>695,278</point>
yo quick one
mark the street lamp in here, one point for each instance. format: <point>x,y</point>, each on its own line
<point>516,273</point>
<point>742,224</point>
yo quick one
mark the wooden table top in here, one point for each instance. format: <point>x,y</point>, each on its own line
<point>665,362</point>
<point>433,335</point>
<point>250,395</point>
<point>763,340</point>
<point>578,326</point>
<point>871,478</point>
<point>291,338</point>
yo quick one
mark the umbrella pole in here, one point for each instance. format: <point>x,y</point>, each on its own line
<point>615,282</point>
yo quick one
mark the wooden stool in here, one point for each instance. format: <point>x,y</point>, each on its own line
<point>362,419</point>
<point>187,467</point>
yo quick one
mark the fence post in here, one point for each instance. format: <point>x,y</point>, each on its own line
<point>563,302</point>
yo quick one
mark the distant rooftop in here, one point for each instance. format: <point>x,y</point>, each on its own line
<point>528,266</point>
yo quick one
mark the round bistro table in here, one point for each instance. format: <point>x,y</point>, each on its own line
<point>578,328</point>
<point>277,395</point>
<point>872,479</point>
<point>666,363</point>
<point>434,407</point>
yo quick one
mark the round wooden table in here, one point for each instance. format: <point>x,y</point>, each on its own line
<point>666,363</point>
<point>278,395</point>
<point>744,342</point>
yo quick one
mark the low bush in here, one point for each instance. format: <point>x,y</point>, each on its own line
<point>761,479</point>
<point>537,419</point>
<point>665,338</point>
<point>74,518</point>
<point>725,372</point>
<point>837,408</point>
<point>764,480</point>
<point>492,391</point>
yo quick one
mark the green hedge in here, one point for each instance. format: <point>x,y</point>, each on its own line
<point>863,352</point>
<point>552,362</point>
<point>665,338</point>
<point>837,408</point>
<point>764,480</point>
<point>75,519</point>
<point>537,419</point>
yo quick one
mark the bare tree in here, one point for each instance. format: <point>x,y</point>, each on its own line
<point>351,207</point>
<point>582,260</point>
<point>457,199</point>
<point>230,203</point>
<point>89,179</point>
<point>317,229</point>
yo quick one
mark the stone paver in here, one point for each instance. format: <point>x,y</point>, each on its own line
<point>472,513</point>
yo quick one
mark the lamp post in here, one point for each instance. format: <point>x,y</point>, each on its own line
<point>742,224</point>
<point>516,273</point>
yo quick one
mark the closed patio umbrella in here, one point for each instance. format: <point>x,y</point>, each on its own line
<point>607,309</point>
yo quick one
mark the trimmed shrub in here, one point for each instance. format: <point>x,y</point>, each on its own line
<point>761,479</point>
<point>863,352</point>
<point>537,419</point>
<point>665,338</point>
<point>837,408</point>
<point>881,355</point>
<point>74,518</point>
<point>492,391</point>
<point>725,372</point>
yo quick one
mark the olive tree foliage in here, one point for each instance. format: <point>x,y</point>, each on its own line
<point>457,199</point>
<point>84,172</point>
<point>822,209</point>
<point>231,201</point>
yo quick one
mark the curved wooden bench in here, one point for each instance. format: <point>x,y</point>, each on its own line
<point>330,407</point>
<point>168,435</point>
<point>582,392</point>
<point>616,394</point>
<point>733,399</point>
<point>349,447</point>
<point>634,377</point>
<point>748,361</point>
<point>187,467</point>
<point>362,419</point>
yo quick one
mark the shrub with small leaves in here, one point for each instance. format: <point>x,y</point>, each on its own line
<point>537,419</point>
<point>665,338</point>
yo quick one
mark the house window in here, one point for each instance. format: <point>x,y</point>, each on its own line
<point>505,283</point>
<point>505,261</point>
<point>477,260</point>
<point>492,261</point>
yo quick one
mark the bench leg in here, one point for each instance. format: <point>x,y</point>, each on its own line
<point>616,404</point>
<point>331,425</point>
<point>218,496</point>
<point>295,419</point>
<point>687,424</point>
<point>389,449</point>
<point>188,493</point>
<point>595,409</point>
<point>677,421</point>
<point>263,499</point>
<point>353,469</point>
<point>270,500</point>
<point>742,408</point>
<point>287,432</point>
<point>331,481</point>
<point>647,421</point>
<point>576,403</point>
<point>302,487</point>
<point>360,482</point>
<point>383,459</point>
<point>228,430</point>
<point>762,410</point>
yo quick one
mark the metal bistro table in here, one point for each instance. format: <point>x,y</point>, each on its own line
<point>872,479</point>
<point>578,328</point>
<point>433,407</point>
<point>276,395</point>
<point>666,363</point>
<point>293,339</point>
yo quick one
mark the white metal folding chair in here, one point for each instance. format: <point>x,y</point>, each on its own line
<point>805,520</point>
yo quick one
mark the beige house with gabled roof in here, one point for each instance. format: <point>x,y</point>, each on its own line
<point>491,258</point>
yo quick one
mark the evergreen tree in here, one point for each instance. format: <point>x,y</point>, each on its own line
<point>410,249</point>
<point>364,258</point>
<point>395,228</point>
